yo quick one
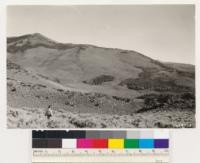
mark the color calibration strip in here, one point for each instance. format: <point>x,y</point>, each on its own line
<point>92,139</point>
<point>97,146</point>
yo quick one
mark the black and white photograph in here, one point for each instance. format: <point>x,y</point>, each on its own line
<point>101,66</point>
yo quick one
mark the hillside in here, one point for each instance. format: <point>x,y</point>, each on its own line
<point>86,79</point>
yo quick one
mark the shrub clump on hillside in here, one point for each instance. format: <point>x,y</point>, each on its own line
<point>82,122</point>
<point>100,80</point>
<point>156,80</point>
<point>168,101</point>
<point>156,84</point>
<point>11,65</point>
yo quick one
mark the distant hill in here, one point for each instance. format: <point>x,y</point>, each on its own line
<point>77,65</point>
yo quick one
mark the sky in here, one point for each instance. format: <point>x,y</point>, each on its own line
<point>162,32</point>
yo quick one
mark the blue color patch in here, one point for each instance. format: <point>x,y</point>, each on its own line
<point>146,143</point>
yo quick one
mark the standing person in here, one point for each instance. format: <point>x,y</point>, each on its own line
<point>49,112</point>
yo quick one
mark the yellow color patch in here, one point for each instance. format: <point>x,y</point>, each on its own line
<point>115,143</point>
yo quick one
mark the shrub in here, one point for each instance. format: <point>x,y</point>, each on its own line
<point>187,96</point>
<point>82,123</point>
<point>166,101</point>
<point>100,79</point>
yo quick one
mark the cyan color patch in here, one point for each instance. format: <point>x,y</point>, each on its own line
<point>146,143</point>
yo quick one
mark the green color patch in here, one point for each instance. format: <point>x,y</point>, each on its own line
<point>131,143</point>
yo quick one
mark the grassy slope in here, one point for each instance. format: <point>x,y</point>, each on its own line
<point>34,118</point>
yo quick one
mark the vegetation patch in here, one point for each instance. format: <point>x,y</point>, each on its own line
<point>100,80</point>
<point>153,80</point>
<point>168,101</point>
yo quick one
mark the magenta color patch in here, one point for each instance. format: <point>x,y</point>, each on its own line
<point>84,143</point>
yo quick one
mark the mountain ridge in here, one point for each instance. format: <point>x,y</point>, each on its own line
<point>72,45</point>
